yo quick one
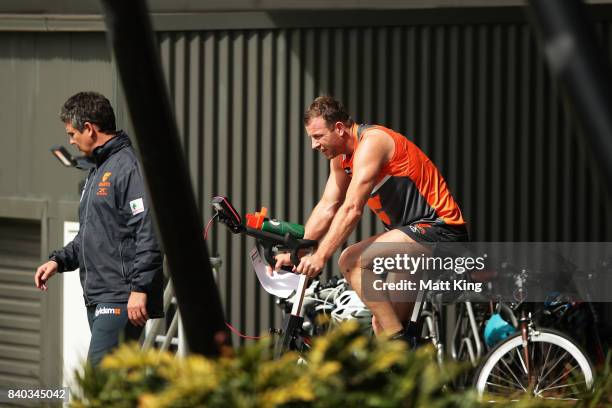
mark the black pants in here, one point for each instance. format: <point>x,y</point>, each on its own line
<point>109,324</point>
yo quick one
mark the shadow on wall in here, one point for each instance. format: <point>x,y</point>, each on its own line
<point>39,71</point>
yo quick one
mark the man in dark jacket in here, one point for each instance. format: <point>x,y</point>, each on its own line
<point>116,249</point>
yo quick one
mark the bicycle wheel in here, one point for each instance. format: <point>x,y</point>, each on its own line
<point>559,369</point>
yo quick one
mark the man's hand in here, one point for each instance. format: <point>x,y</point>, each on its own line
<point>311,265</point>
<point>281,260</point>
<point>137,308</point>
<point>44,273</point>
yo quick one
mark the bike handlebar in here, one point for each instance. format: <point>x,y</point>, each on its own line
<point>268,240</point>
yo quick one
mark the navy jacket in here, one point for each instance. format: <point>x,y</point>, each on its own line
<point>116,249</point>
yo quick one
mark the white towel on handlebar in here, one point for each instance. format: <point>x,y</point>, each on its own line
<point>281,284</point>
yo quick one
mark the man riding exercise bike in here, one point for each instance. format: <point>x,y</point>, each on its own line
<point>374,165</point>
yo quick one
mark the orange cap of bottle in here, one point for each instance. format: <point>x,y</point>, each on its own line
<point>256,219</point>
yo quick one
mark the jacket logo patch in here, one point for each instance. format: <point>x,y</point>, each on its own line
<point>137,206</point>
<point>108,310</point>
<point>102,192</point>
<point>105,182</point>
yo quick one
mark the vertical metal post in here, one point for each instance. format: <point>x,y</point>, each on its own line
<point>573,52</point>
<point>182,343</point>
<point>136,55</point>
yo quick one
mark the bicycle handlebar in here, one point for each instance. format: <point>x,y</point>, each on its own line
<point>268,240</point>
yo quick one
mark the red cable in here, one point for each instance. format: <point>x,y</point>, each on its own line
<point>208,227</point>
<point>244,336</point>
<point>229,326</point>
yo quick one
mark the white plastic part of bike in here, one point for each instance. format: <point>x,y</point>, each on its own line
<point>540,336</point>
<point>297,309</point>
<point>281,284</point>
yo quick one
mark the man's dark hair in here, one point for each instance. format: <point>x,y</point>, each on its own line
<point>330,109</point>
<point>89,107</point>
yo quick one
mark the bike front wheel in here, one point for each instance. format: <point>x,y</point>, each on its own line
<point>549,366</point>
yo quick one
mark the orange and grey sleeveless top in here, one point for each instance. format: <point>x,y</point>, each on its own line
<point>409,188</point>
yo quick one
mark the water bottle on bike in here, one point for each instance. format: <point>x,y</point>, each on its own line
<point>258,220</point>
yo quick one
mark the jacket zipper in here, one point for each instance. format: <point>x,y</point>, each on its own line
<point>121,257</point>
<point>83,236</point>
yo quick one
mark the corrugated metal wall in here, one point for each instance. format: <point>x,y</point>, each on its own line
<point>477,99</point>
<point>21,311</point>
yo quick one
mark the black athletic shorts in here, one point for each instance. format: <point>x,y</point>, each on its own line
<point>436,232</point>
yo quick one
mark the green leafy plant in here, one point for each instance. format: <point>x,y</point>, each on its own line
<point>343,368</point>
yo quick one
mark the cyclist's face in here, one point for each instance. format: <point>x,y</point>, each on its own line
<point>324,138</point>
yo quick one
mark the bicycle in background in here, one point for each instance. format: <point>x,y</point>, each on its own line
<point>535,358</point>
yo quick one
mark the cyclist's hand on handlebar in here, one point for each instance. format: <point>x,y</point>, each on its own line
<point>311,265</point>
<point>281,260</point>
